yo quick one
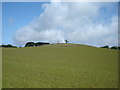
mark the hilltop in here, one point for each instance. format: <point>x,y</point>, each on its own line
<point>68,45</point>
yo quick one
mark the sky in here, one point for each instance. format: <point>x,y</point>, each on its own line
<point>90,23</point>
<point>0,23</point>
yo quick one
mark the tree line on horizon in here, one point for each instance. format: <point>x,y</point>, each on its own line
<point>8,46</point>
<point>29,44</point>
<point>33,44</point>
<point>113,47</point>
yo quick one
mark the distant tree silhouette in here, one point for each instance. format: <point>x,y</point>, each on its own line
<point>66,41</point>
<point>41,43</point>
<point>105,46</point>
<point>30,44</point>
<point>38,44</point>
<point>115,47</point>
<point>8,46</point>
<point>119,47</point>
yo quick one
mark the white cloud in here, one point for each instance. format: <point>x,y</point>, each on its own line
<point>77,22</point>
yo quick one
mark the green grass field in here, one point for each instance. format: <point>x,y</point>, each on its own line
<point>60,66</point>
<point>0,68</point>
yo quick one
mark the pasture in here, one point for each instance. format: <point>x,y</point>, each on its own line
<point>59,66</point>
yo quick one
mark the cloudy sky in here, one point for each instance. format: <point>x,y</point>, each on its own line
<point>91,23</point>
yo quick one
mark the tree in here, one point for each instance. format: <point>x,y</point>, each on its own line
<point>114,47</point>
<point>66,41</point>
<point>105,47</point>
<point>119,47</point>
<point>30,44</point>
<point>38,44</point>
<point>41,43</point>
<point>8,46</point>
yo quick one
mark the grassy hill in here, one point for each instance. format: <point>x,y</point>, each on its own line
<point>60,66</point>
<point>0,68</point>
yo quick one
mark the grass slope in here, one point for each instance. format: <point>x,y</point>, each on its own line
<point>60,66</point>
<point>0,68</point>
